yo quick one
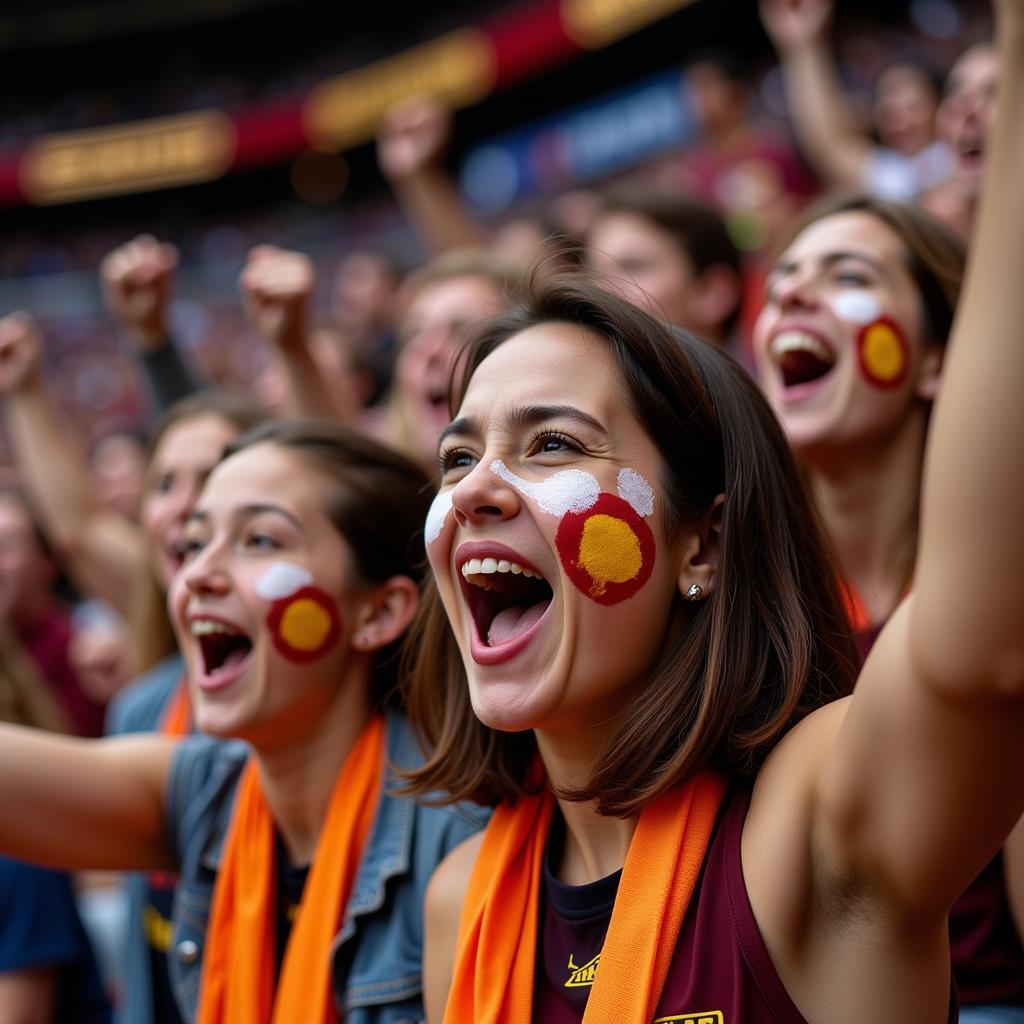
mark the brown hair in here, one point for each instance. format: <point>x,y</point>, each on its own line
<point>151,632</point>
<point>378,505</point>
<point>767,646</point>
<point>25,699</point>
<point>697,229</point>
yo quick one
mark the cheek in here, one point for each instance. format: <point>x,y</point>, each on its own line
<point>306,625</point>
<point>882,353</point>
<point>607,551</point>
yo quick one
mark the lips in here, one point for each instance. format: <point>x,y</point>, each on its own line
<point>802,357</point>
<point>224,650</point>
<point>507,597</point>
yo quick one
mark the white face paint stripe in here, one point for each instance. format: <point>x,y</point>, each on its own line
<point>572,490</point>
<point>438,513</point>
<point>635,490</point>
<point>282,580</point>
<point>857,307</point>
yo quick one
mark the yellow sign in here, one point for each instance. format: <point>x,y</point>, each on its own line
<point>582,977</point>
<point>345,111</point>
<point>592,24</point>
<point>128,158</point>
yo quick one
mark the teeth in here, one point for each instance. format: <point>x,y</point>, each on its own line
<point>204,627</point>
<point>798,341</point>
<point>490,566</point>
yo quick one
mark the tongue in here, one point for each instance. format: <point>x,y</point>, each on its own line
<point>801,367</point>
<point>236,655</point>
<point>512,622</point>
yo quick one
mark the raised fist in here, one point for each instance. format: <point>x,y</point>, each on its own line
<point>792,23</point>
<point>21,346</point>
<point>136,279</point>
<point>277,285</point>
<point>413,137</point>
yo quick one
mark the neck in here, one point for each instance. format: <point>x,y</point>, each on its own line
<point>595,844</point>
<point>298,776</point>
<point>867,499</point>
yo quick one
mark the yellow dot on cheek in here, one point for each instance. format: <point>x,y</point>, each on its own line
<point>305,625</point>
<point>609,550</point>
<point>883,353</point>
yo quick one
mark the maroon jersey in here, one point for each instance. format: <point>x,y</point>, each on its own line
<point>721,972</point>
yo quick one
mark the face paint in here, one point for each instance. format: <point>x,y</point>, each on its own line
<point>857,307</point>
<point>303,620</point>
<point>882,350</point>
<point>436,516</point>
<point>606,548</point>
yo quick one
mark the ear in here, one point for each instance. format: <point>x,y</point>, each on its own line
<point>716,296</point>
<point>385,614</point>
<point>700,550</point>
<point>930,377</point>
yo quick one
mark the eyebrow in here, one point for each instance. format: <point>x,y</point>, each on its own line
<point>526,416</point>
<point>246,512</point>
<point>832,258</point>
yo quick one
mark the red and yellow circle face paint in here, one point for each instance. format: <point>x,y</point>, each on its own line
<point>607,551</point>
<point>882,349</point>
<point>305,625</point>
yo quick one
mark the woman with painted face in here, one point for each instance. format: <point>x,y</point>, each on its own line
<point>301,876</point>
<point>645,643</point>
<point>849,345</point>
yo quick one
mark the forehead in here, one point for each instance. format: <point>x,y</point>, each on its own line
<point>977,67</point>
<point>265,474</point>
<point>199,438</point>
<point>542,366</point>
<point>466,296</point>
<point>849,232</point>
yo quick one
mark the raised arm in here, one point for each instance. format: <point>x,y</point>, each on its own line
<point>137,279</point>
<point>822,120</point>
<point>277,287</point>
<point>78,804</point>
<point>410,152</point>
<point>927,776</point>
<point>103,550</point>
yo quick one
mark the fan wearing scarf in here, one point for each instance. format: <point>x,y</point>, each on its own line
<point>301,873</point>
<point>646,665</point>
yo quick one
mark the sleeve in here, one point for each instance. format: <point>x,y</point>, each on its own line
<point>168,377</point>
<point>39,922</point>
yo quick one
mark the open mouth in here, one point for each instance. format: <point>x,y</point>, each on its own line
<point>223,648</point>
<point>802,358</point>
<point>505,598</point>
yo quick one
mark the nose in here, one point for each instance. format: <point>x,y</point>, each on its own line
<point>794,291</point>
<point>482,497</point>
<point>203,575</point>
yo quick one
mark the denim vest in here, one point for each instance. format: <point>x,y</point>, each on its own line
<point>376,957</point>
<point>139,707</point>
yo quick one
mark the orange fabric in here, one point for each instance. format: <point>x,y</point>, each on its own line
<point>855,610</point>
<point>177,716</point>
<point>493,978</point>
<point>238,962</point>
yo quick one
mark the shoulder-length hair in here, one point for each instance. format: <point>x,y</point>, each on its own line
<point>769,644</point>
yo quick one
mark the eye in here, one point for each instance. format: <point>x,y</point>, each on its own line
<point>164,483</point>
<point>551,442</point>
<point>853,278</point>
<point>191,547</point>
<point>454,458</point>
<point>259,541</point>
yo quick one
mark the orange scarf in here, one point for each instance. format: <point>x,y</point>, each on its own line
<point>177,716</point>
<point>493,977</point>
<point>238,962</point>
<point>860,622</point>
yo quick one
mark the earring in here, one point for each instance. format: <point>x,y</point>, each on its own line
<point>694,592</point>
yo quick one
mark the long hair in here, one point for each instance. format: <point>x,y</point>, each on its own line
<point>769,645</point>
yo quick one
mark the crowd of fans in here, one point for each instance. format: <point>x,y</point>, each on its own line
<point>113,420</point>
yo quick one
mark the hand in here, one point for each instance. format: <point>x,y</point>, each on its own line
<point>792,23</point>
<point>277,285</point>
<point>21,347</point>
<point>136,279</point>
<point>413,137</point>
